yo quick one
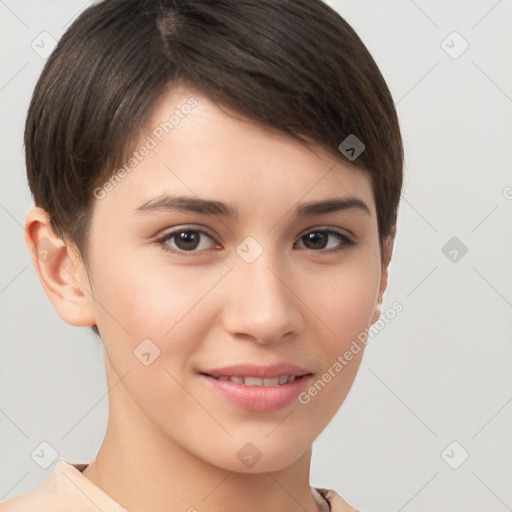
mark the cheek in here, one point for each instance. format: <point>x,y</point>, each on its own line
<point>157,301</point>
<point>344,299</point>
<point>344,309</point>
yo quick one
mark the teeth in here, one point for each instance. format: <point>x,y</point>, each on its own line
<point>253,381</point>
<point>283,379</point>
<point>258,381</point>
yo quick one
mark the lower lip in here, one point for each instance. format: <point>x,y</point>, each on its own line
<point>258,398</point>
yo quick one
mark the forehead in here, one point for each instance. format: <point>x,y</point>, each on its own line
<point>192,146</point>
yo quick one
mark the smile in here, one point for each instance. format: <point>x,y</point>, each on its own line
<point>257,388</point>
<point>258,381</point>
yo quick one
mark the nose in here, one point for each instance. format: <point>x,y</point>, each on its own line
<point>261,304</point>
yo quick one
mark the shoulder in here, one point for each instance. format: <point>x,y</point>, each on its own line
<point>336,502</point>
<point>33,501</point>
<point>52,495</point>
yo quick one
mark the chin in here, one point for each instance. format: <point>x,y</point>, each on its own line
<point>259,456</point>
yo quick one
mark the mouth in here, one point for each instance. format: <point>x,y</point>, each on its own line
<point>257,388</point>
<point>258,381</point>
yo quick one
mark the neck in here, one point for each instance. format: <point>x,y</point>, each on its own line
<point>142,480</point>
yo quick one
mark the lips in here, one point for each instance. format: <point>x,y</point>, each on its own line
<point>258,388</point>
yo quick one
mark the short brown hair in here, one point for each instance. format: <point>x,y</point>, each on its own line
<point>293,65</point>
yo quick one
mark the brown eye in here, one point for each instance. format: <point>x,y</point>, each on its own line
<point>318,240</point>
<point>185,240</point>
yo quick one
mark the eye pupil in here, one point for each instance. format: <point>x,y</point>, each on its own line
<point>315,238</point>
<point>187,239</point>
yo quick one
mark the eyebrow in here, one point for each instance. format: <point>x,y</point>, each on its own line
<point>209,206</point>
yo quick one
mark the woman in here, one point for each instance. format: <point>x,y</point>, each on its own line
<point>216,188</point>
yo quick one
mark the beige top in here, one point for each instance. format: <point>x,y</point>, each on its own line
<point>65,489</point>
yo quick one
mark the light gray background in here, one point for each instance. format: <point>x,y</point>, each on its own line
<point>439,372</point>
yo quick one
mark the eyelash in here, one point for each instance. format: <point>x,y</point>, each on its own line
<point>162,241</point>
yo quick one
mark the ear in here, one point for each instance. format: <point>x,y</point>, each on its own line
<point>387,252</point>
<point>60,270</point>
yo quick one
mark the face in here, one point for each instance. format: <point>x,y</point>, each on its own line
<point>221,316</point>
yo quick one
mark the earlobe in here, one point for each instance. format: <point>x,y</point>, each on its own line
<point>387,251</point>
<point>60,270</point>
<point>377,310</point>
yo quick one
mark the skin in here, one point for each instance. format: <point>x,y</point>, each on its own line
<point>170,439</point>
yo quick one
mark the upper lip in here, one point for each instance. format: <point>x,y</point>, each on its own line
<point>264,372</point>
